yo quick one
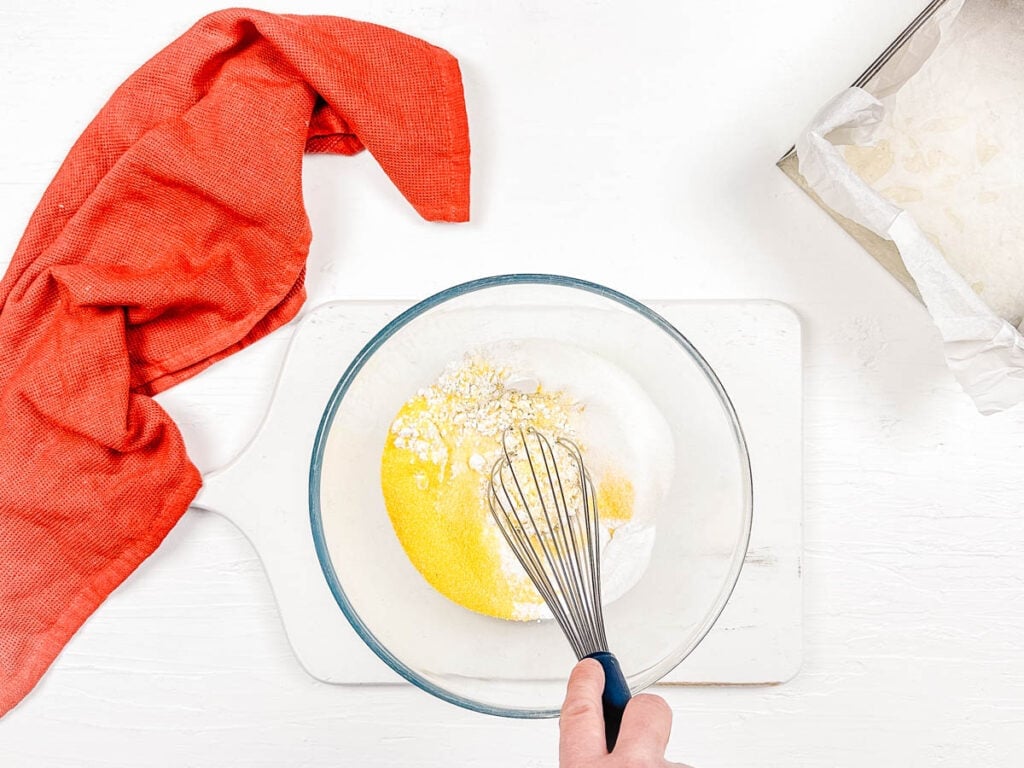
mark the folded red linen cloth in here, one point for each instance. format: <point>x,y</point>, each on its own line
<point>173,235</point>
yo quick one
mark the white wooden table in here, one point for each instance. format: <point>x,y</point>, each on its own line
<point>632,144</point>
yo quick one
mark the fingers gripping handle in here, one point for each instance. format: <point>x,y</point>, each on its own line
<point>615,696</point>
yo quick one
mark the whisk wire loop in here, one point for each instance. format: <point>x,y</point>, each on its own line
<point>560,560</point>
<point>588,539</point>
<point>505,508</point>
<point>550,520</point>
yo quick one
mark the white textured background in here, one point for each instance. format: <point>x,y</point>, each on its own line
<point>633,144</point>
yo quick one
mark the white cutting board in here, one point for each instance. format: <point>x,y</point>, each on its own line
<point>754,346</point>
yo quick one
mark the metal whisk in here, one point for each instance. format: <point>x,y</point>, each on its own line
<point>543,500</point>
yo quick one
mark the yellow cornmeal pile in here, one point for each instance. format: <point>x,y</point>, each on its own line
<point>434,474</point>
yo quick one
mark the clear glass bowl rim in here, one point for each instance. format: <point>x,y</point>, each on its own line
<point>340,389</point>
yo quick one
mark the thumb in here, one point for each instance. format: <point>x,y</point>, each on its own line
<point>581,725</point>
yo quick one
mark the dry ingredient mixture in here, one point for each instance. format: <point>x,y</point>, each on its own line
<point>435,470</point>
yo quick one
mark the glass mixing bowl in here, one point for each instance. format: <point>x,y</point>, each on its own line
<point>519,669</point>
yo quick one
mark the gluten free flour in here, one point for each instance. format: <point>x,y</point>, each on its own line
<point>445,439</point>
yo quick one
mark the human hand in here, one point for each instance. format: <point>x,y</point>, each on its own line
<point>646,725</point>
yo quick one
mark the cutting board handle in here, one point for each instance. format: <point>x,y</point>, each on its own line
<point>250,493</point>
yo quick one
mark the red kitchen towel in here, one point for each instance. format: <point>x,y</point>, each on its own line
<point>173,235</point>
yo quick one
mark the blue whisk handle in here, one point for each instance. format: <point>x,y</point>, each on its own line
<point>615,697</point>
